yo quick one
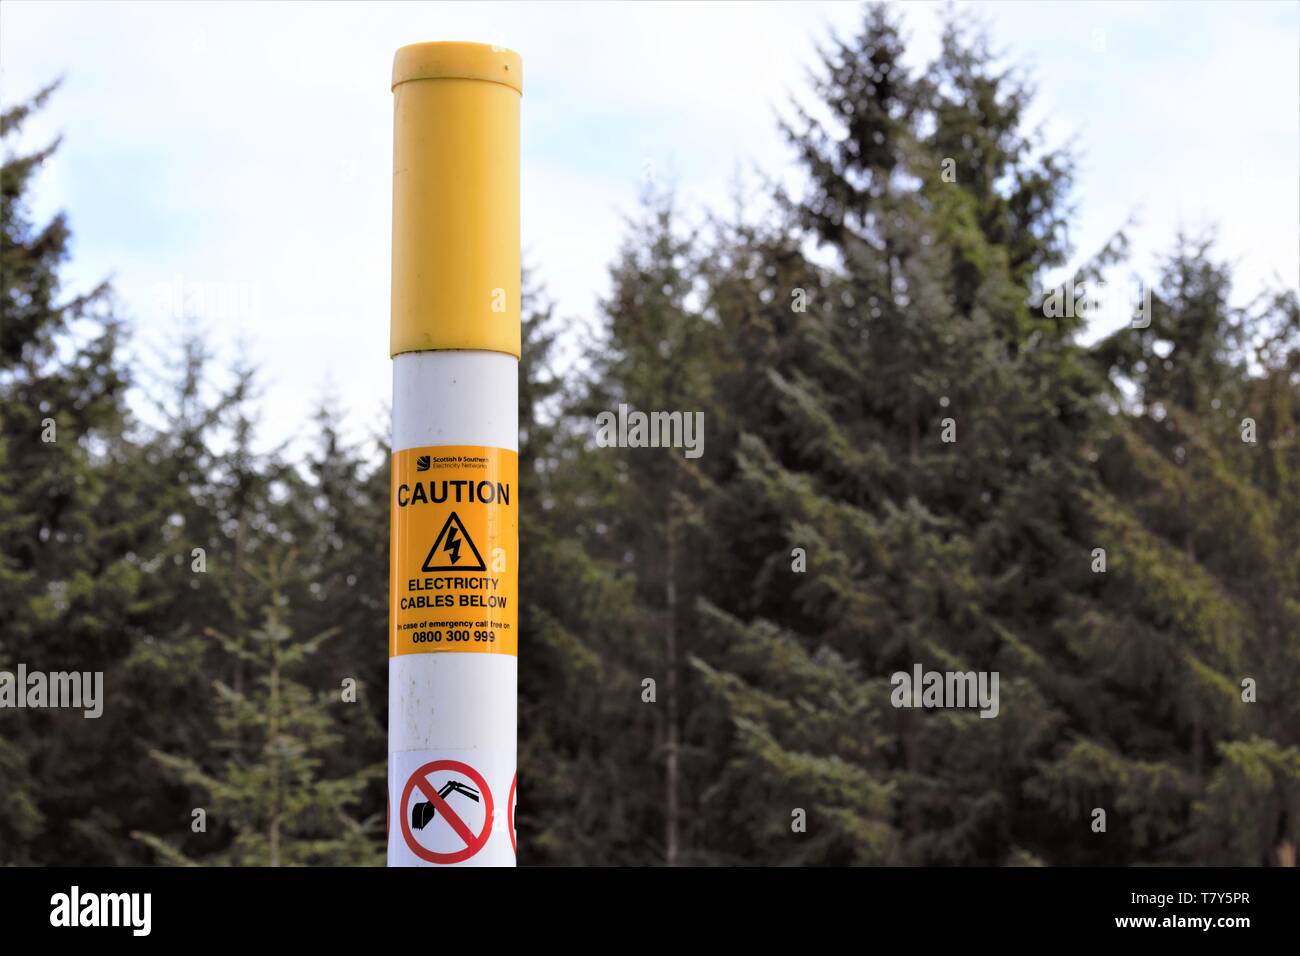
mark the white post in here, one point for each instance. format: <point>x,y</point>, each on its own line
<point>454,592</point>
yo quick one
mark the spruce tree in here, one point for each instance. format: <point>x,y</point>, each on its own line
<point>651,361</point>
<point>71,576</point>
<point>1199,510</point>
<point>266,789</point>
<point>913,449</point>
<point>590,790</point>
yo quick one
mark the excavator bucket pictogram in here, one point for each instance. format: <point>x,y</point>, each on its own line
<point>422,813</point>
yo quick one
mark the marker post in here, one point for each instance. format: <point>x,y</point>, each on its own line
<point>453,571</point>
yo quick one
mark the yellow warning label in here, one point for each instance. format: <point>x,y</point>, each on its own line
<point>453,564</point>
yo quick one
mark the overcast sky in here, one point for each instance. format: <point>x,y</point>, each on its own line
<point>239,154</point>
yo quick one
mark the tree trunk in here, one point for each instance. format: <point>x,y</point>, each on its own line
<point>275,761</point>
<point>672,772</point>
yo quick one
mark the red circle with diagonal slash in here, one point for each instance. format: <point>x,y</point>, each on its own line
<point>473,843</point>
<point>510,804</point>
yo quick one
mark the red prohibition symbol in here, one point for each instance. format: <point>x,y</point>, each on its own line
<point>473,842</point>
<point>510,804</point>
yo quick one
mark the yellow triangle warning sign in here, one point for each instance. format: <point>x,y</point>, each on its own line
<point>453,550</point>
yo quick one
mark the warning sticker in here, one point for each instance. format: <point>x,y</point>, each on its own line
<point>510,820</point>
<point>455,542</point>
<point>436,830</point>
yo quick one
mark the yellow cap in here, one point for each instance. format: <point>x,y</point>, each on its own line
<point>456,198</point>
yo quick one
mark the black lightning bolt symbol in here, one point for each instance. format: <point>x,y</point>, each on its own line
<point>452,545</point>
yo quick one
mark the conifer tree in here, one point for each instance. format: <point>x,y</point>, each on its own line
<point>266,788</point>
<point>589,790</point>
<point>70,577</point>
<point>337,511</point>
<point>1199,510</point>
<point>651,361</point>
<point>925,409</point>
